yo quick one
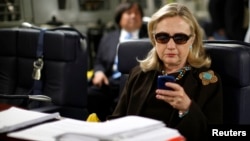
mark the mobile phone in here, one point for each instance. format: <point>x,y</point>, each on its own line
<point>162,79</point>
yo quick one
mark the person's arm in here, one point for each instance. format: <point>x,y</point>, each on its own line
<point>206,109</point>
<point>99,59</point>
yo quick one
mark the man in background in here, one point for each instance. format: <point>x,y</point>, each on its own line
<point>106,79</point>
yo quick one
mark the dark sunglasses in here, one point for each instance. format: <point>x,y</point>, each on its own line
<point>178,38</point>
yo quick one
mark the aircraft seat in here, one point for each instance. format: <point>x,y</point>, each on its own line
<point>231,59</point>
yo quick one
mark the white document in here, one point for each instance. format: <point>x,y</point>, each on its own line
<point>15,118</point>
<point>117,129</point>
<point>158,134</point>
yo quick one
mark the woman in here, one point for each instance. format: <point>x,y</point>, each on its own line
<point>195,98</point>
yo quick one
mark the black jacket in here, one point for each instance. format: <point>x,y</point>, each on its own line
<point>206,107</point>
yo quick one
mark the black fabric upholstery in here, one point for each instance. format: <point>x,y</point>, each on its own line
<point>128,52</point>
<point>231,59</point>
<point>63,74</point>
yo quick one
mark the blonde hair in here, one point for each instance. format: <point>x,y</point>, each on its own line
<point>196,57</point>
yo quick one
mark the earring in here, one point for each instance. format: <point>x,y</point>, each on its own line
<point>190,47</point>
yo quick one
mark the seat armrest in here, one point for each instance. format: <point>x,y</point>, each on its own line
<point>68,112</point>
<point>47,109</point>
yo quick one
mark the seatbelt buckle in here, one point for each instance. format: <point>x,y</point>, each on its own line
<point>37,68</point>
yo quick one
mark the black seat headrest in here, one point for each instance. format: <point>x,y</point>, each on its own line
<point>231,60</point>
<point>129,51</point>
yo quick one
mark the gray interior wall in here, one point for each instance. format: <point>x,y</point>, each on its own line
<point>40,11</point>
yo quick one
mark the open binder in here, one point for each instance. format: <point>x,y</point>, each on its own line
<point>15,118</point>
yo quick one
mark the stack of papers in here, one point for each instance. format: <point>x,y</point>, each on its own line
<point>160,134</point>
<point>15,118</point>
<point>129,128</point>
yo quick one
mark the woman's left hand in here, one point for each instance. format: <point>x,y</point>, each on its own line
<point>176,97</point>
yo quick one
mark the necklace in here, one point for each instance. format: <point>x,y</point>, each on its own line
<point>181,72</point>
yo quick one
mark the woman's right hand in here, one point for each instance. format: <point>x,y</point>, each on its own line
<point>176,97</point>
<point>99,79</point>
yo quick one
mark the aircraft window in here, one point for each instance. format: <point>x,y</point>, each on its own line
<point>10,10</point>
<point>143,3</point>
<point>94,5</point>
<point>158,3</point>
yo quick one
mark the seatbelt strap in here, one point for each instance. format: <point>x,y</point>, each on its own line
<point>38,65</point>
